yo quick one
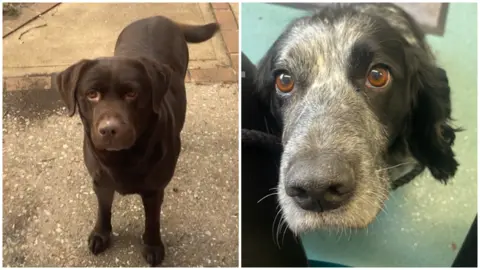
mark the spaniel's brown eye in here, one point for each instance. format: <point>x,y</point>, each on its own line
<point>93,95</point>
<point>284,83</point>
<point>378,77</point>
<point>131,94</point>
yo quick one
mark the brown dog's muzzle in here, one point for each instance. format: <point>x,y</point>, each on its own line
<point>112,133</point>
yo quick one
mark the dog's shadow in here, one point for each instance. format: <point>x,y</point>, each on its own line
<point>34,104</point>
<point>126,250</point>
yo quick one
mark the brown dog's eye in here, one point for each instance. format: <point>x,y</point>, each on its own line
<point>93,95</point>
<point>284,83</point>
<point>131,94</point>
<point>378,77</point>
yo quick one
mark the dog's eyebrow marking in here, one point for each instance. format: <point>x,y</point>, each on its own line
<point>361,57</point>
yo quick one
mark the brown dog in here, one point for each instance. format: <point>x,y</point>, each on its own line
<point>133,107</point>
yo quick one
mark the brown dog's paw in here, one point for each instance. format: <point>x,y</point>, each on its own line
<point>98,242</point>
<point>154,255</point>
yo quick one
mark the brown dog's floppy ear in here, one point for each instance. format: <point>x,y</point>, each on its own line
<point>67,80</point>
<point>162,78</point>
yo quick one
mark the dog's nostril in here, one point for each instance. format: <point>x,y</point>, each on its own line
<point>107,131</point>
<point>320,198</point>
<point>337,193</point>
<point>322,183</point>
<point>340,189</point>
<point>296,192</point>
<point>109,127</point>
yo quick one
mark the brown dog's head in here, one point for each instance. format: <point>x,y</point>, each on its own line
<point>116,97</point>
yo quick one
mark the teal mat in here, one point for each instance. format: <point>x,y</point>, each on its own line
<point>323,264</point>
<point>426,222</point>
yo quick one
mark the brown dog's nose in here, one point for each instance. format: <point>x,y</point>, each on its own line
<point>109,127</point>
<point>320,184</point>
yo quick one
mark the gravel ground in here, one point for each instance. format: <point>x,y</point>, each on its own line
<point>49,206</point>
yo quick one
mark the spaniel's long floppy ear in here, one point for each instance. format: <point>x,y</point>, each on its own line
<point>162,79</point>
<point>265,82</point>
<point>264,78</point>
<point>431,136</point>
<point>67,80</point>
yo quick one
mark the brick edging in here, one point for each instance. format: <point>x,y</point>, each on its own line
<point>45,81</point>
<point>28,82</point>
<point>228,29</point>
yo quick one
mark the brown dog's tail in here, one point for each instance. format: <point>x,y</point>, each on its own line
<point>198,33</point>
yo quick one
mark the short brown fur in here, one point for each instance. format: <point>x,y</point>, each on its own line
<point>133,107</point>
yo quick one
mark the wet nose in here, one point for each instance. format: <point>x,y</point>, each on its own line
<point>319,184</point>
<point>109,127</point>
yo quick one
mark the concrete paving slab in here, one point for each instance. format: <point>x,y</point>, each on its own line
<point>72,31</point>
<point>49,207</point>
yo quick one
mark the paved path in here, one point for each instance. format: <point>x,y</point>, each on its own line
<point>72,31</point>
<point>49,206</point>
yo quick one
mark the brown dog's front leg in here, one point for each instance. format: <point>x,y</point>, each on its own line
<point>153,251</point>
<point>99,238</point>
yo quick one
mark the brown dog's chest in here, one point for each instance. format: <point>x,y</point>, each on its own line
<point>135,174</point>
<point>128,182</point>
<point>137,180</point>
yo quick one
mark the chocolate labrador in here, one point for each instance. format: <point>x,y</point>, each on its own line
<point>133,107</point>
